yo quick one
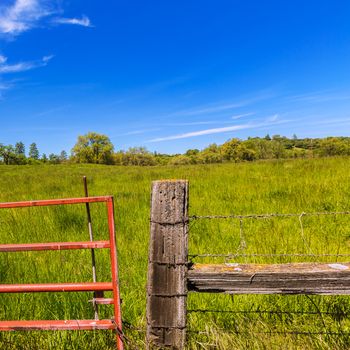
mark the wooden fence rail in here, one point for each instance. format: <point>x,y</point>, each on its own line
<point>170,278</point>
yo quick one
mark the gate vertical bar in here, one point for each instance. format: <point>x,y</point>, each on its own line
<point>114,269</point>
<point>167,265</point>
<point>91,235</point>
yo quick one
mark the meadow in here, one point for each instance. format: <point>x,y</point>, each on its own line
<point>235,322</point>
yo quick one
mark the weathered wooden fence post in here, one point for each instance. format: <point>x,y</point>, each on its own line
<point>167,265</point>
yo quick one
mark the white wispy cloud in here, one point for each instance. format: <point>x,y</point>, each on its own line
<point>223,107</point>
<point>52,110</point>
<point>19,16</point>
<point>328,121</point>
<point>216,131</point>
<point>205,122</point>
<point>139,132</point>
<point>83,21</point>
<point>239,116</point>
<point>3,59</point>
<point>211,109</point>
<point>3,87</point>
<point>273,118</point>
<point>320,96</point>
<point>209,122</point>
<point>47,58</point>
<point>23,66</point>
<point>23,15</point>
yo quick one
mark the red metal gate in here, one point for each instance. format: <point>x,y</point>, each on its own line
<point>114,323</point>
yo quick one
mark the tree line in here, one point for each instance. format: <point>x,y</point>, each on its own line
<point>16,155</point>
<point>98,149</point>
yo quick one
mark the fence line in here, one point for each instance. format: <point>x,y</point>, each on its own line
<point>242,244</point>
<point>171,275</point>
<point>273,332</point>
<point>233,255</point>
<point>269,312</point>
<point>267,216</point>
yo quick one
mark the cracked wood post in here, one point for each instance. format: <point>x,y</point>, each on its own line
<point>167,265</point>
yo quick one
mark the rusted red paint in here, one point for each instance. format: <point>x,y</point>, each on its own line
<point>48,202</point>
<point>56,287</point>
<point>116,323</point>
<point>114,268</point>
<point>54,325</point>
<point>53,246</point>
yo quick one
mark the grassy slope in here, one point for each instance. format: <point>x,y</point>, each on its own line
<point>263,187</point>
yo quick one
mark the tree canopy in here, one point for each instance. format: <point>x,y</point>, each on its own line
<point>33,151</point>
<point>93,148</point>
<point>98,149</point>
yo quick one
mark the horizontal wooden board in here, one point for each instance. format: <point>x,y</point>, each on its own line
<point>296,278</point>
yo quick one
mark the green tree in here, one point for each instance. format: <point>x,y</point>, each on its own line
<point>8,155</point>
<point>211,154</point>
<point>33,151</point>
<point>20,149</point>
<point>192,152</point>
<point>20,153</point>
<point>193,155</point>
<point>54,158</point>
<point>63,156</point>
<point>180,160</point>
<point>333,146</point>
<point>246,153</point>
<point>138,156</point>
<point>93,148</point>
<point>230,150</point>
<point>278,149</point>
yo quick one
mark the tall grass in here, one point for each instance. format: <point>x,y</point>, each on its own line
<point>292,186</point>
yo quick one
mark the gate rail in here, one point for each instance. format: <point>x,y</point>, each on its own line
<point>114,323</point>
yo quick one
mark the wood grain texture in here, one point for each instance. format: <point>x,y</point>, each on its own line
<point>167,265</point>
<point>297,278</point>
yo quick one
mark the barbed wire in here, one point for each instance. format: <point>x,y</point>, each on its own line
<point>273,312</point>
<point>242,242</point>
<point>303,235</point>
<point>234,255</point>
<point>267,216</point>
<point>240,253</point>
<point>306,333</point>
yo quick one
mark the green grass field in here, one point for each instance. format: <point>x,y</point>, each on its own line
<point>292,186</point>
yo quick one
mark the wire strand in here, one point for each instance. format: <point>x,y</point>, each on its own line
<point>234,255</point>
<point>273,312</point>
<point>272,332</point>
<point>267,216</point>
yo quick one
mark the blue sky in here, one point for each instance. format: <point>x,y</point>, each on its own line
<point>172,75</point>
